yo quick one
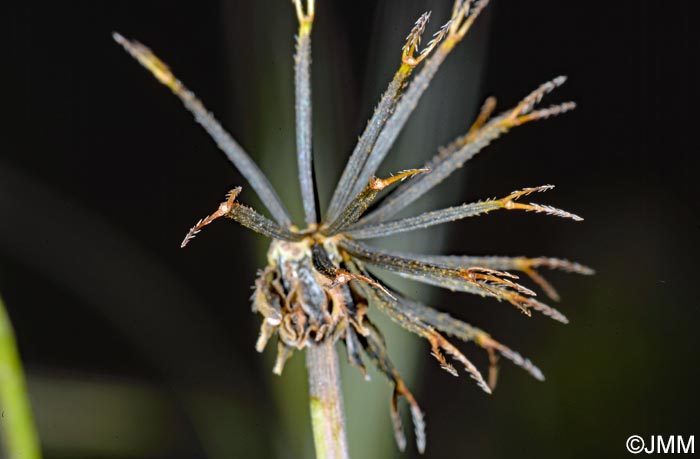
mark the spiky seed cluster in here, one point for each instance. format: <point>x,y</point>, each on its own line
<point>317,286</point>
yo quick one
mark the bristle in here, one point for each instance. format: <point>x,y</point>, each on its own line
<point>437,37</point>
<point>549,210</point>
<point>399,434</point>
<point>418,426</point>
<point>509,202</point>
<point>414,36</point>
<point>535,97</point>
<point>223,209</point>
<point>469,367</point>
<point>435,352</point>
<point>547,311</point>
<point>564,265</point>
<point>520,361</point>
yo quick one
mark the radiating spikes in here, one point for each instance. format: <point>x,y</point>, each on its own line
<point>458,280</point>
<point>524,264</point>
<point>463,148</point>
<point>442,165</point>
<point>471,280</point>
<point>408,102</point>
<point>347,186</point>
<point>438,343</point>
<point>465,332</point>
<point>223,139</point>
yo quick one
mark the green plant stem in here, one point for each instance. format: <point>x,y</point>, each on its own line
<point>17,430</point>
<point>326,401</point>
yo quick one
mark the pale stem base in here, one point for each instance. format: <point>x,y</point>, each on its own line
<point>326,401</point>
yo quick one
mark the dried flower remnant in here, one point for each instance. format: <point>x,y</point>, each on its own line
<point>317,287</point>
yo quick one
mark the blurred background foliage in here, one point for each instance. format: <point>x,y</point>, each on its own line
<point>135,349</point>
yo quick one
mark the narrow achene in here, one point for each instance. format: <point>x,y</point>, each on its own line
<point>318,286</point>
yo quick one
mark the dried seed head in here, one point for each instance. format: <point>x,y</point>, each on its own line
<point>315,287</point>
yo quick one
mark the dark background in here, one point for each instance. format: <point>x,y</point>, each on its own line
<point>135,348</point>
